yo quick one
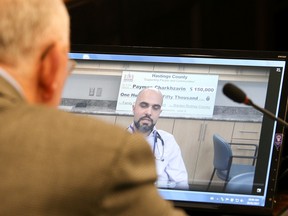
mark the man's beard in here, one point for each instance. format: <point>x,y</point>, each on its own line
<point>144,128</point>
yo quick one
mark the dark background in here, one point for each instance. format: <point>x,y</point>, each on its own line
<point>212,24</point>
<point>220,24</point>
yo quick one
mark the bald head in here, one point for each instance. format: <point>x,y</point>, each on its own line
<point>147,109</point>
<point>151,92</point>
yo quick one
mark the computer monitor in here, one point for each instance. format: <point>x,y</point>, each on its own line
<point>107,81</point>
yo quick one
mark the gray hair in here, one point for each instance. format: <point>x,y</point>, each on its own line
<point>26,25</point>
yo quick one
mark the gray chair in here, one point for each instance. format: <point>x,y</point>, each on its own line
<point>242,183</point>
<point>224,166</point>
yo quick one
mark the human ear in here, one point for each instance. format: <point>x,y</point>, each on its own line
<point>48,73</point>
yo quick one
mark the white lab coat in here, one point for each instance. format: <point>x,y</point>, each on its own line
<point>170,166</point>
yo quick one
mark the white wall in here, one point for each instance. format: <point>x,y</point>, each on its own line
<point>256,91</point>
<point>79,85</point>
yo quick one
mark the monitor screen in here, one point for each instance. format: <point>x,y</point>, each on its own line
<point>230,150</point>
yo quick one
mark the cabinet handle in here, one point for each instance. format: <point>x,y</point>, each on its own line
<point>245,131</point>
<point>204,132</point>
<point>200,133</point>
<point>246,149</point>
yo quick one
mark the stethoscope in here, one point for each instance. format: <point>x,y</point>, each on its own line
<point>156,136</point>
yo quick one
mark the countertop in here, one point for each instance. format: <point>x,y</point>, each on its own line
<point>106,107</point>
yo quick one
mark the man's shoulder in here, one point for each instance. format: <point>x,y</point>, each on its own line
<point>71,124</point>
<point>94,125</point>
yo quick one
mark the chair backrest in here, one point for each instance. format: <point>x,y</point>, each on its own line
<point>222,153</point>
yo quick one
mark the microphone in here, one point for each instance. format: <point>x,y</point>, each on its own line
<point>237,95</point>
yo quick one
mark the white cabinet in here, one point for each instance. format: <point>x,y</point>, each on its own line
<point>187,134</point>
<point>195,140</point>
<point>124,121</point>
<point>245,133</point>
<point>107,118</point>
<point>205,156</point>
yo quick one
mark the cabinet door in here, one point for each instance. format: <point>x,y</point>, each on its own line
<point>204,165</point>
<point>165,124</point>
<point>245,133</point>
<point>124,121</point>
<point>187,135</point>
<point>107,118</point>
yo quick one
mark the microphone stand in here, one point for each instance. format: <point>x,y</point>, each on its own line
<point>268,113</point>
<point>284,123</point>
<point>239,96</point>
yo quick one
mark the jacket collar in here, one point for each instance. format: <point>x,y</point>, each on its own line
<point>9,93</point>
